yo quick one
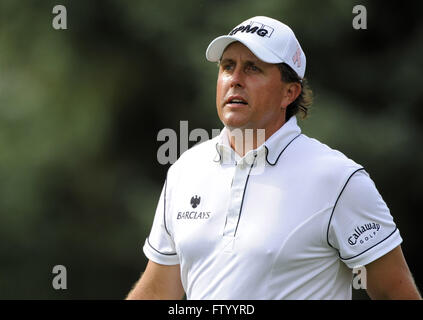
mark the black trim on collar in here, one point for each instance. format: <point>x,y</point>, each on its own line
<point>217,150</point>
<point>277,159</point>
<point>267,152</point>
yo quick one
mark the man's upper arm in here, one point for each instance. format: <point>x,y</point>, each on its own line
<point>160,246</point>
<point>361,227</point>
<point>158,282</point>
<point>389,277</point>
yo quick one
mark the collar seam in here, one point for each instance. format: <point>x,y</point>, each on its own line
<point>277,159</point>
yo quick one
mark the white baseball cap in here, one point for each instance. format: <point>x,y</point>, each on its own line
<point>268,39</point>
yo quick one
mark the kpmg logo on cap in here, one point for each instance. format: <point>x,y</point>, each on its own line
<point>254,27</point>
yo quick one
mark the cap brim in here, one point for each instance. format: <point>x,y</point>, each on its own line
<point>216,48</point>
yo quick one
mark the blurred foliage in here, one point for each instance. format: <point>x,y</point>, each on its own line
<point>80,110</point>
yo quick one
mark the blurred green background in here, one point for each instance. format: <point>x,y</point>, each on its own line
<point>80,110</point>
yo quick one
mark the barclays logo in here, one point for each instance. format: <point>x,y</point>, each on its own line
<point>195,201</point>
<point>193,215</point>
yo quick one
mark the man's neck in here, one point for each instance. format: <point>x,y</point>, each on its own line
<point>244,140</point>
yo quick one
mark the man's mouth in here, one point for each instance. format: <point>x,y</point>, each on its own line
<point>236,101</point>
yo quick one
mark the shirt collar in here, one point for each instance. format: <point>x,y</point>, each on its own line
<point>272,148</point>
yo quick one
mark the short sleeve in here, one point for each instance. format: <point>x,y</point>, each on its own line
<point>361,227</point>
<point>159,246</point>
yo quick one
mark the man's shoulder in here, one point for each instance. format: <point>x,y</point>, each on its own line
<point>323,162</point>
<point>320,153</point>
<point>320,168</point>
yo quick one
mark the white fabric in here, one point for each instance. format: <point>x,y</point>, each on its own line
<point>361,228</point>
<point>280,231</point>
<point>270,40</point>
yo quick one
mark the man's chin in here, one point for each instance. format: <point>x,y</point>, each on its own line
<point>232,125</point>
<point>235,122</point>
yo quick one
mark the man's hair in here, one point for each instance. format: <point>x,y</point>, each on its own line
<point>304,100</point>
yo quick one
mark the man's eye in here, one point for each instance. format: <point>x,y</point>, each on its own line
<point>253,68</point>
<point>227,67</point>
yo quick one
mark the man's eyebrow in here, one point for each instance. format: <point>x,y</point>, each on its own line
<point>226,60</point>
<point>248,62</point>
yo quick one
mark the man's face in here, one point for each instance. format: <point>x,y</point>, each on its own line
<point>250,93</point>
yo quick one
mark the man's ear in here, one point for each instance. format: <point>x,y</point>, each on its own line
<point>292,91</point>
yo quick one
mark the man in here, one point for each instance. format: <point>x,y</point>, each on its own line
<point>275,214</point>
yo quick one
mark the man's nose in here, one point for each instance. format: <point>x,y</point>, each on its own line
<point>237,78</point>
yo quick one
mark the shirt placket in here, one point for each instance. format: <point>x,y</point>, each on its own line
<point>239,183</point>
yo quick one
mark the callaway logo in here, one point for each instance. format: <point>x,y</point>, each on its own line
<point>254,27</point>
<point>364,233</point>
<point>194,215</point>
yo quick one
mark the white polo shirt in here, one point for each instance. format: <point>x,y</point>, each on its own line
<point>289,229</point>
